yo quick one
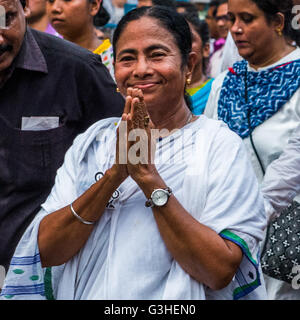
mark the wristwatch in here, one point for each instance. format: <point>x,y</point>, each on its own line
<point>159,197</point>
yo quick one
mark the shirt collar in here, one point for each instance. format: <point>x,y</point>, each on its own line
<point>30,56</point>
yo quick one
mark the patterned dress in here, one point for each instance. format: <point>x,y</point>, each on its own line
<point>105,50</point>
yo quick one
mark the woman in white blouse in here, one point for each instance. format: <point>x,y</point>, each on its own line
<point>259,97</point>
<point>183,224</point>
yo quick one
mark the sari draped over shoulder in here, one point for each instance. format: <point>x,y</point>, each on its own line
<point>125,256</point>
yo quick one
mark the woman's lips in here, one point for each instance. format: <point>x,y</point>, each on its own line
<point>241,44</point>
<point>144,86</point>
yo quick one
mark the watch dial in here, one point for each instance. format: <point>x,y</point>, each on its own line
<point>160,198</point>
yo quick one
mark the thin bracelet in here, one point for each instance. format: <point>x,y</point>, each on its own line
<point>79,218</point>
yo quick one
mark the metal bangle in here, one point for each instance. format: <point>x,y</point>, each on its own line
<point>79,218</point>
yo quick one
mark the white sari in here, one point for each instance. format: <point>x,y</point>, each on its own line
<point>206,166</point>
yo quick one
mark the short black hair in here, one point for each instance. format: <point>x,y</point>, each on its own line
<point>102,17</point>
<point>166,3</point>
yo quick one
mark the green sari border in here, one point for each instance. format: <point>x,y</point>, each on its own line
<point>247,288</point>
<point>48,284</point>
<point>239,241</point>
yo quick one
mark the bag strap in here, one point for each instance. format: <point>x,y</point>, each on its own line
<point>249,124</point>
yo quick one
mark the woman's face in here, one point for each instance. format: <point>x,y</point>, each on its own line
<point>69,17</point>
<point>251,31</point>
<point>147,57</point>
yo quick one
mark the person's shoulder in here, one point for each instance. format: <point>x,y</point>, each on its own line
<point>58,48</point>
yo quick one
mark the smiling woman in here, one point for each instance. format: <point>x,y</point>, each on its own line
<point>187,227</point>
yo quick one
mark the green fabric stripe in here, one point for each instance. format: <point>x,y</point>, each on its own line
<point>242,242</point>
<point>255,283</point>
<point>48,285</point>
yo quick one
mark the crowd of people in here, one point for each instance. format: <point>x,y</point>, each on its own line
<point>146,146</point>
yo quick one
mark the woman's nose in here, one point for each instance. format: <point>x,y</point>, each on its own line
<point>235,27</point>
<point>142,68</point>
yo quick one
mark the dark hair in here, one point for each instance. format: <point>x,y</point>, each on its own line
<point>203,30</point>
<point>168,19</point>
<point>272,7</point>
<point>214,4</point>
<point>102,17</point>
<point>166,3</point>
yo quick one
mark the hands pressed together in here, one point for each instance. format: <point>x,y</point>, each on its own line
<point>135,146</point>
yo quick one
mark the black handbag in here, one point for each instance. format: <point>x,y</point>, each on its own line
<point>281,250</point>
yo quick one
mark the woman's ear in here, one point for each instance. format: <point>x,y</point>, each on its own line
<point>191,62</point>
<point>206,50</point>
<point>279,23</point>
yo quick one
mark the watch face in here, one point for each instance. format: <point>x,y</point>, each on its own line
<point>160,197</point>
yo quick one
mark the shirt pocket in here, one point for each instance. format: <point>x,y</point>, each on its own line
<point>36,156</point>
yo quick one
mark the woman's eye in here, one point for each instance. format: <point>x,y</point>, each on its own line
<point>126,58</point>
<point>247,18</point>
<point>157,55</point>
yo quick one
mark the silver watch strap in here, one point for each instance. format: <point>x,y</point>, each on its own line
<point>149,202</point>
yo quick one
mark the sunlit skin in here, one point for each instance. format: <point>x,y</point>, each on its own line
<point>257,40</point>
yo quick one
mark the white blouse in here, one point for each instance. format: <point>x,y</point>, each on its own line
<point>272,136</point>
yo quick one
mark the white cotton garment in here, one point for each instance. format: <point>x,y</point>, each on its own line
<point>207,167</point>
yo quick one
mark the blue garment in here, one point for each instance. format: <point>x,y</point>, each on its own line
<point>267,92</point>
<point>199,99</point>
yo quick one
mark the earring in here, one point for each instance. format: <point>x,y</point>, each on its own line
<point>117,89</point>
<point>279,31</point>
<point>188,81</point>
